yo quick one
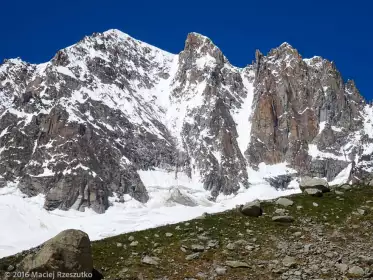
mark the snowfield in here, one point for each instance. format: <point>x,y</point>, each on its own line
<point>25,223</point>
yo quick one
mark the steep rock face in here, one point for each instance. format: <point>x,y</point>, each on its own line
<point>210,88</point>
<point>302,108</point>
<point>80,127</point>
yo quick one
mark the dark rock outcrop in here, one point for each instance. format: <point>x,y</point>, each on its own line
<point>302,107</point>
<point>280,182</point>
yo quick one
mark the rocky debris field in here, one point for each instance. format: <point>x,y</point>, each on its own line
<point>298,237</point>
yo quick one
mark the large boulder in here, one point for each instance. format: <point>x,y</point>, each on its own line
<point>252,209</point>
<point>67,252</point>
<point>344,187</point>
<point>314,183</point>
<point>283,201</point>
<point>237,264</point>
<point>313,192</point>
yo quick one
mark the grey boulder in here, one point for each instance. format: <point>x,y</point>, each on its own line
<point>252,209</point>
<point>313,192</point>
<point>283,201</point>
<point>237,264</point>
<point>356,271</point>
<point>283,219</point>
<point>150,260</point>
<point>69,251</point>
<point>345,187</point>
<point>314,183</point>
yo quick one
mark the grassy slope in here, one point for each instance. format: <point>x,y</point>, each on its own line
<point>224,227</point>
<point>118,262</point>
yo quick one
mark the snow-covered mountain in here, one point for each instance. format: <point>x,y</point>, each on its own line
<point>107,118</point>
<point>80,127</point>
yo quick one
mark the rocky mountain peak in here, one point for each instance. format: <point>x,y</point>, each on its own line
<point>115,33</point>
<point>13,66</point>
<point>84,124</point>
<point>301,104</point>
<point>197,41</point>
<point>284,52</point>
<point>284,47</point>
<point>114,36</point>
<point>316,62</point>
<point>12,61</point>
<point>351,88</point>
<point>14,74</point>
<point>197,46</point>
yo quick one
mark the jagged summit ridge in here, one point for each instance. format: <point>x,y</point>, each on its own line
<point>80,127</point>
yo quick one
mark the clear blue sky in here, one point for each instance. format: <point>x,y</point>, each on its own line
<point>337,30</point>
